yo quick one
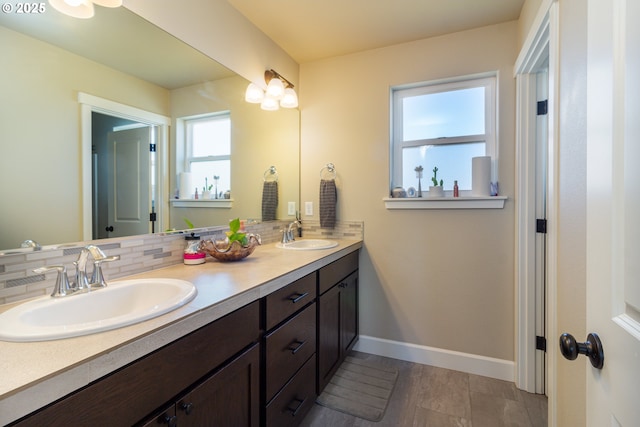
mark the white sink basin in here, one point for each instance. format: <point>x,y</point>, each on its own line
<point>308,244</point>
<point>120,304</point>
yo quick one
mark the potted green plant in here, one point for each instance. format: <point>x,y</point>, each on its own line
<point>206,190</point>
<point>436,190</point>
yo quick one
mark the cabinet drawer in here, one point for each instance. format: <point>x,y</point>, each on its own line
<point>330,275</point>
<point>288,347</point>
<point>286,301</point>
<point>295,400</point>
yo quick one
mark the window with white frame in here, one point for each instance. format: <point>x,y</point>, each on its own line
<point>208,152</point>
<point>442,124</point>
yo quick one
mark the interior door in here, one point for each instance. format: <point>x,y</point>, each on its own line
<point>129,182</point>
<point>613,209</point>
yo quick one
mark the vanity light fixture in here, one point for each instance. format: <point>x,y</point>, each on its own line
<point>279,93</point>
<point>81,8</point>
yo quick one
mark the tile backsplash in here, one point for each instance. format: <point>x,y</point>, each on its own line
<point>137,254</point>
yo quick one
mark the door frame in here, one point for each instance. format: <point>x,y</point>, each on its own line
<point>89,104</point>
<point>541,41</point>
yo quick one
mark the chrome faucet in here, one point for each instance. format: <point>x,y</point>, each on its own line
<point>287,234</point>
<point>81,284</point>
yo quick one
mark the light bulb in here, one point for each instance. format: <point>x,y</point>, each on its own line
<point>275,88</point>
<point>269,104</point>
<point>254,94</point>
<point>108,3</point>
<point>75,8</point>
<point>289,99</point>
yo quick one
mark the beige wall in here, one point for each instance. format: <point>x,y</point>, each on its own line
<point>435,278</point>
<point>40,133</point>
<point>528,14</point>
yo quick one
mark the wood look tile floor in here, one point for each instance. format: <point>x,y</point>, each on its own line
<point>435,397</point>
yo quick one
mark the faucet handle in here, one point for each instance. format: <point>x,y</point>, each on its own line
<point>62,286</point>
<point>97,278</point>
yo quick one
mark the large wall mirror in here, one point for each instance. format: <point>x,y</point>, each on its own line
<point>51,61</point>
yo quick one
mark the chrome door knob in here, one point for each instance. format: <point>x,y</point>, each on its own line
<point>592,348</point>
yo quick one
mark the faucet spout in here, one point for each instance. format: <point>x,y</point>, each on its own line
<point>82,281</point>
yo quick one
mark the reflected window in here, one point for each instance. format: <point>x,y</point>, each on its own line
<point>442,124</point>
<point>208,152</point>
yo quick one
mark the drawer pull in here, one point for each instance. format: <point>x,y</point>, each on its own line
<point>295,411</point>
<point>297,347</point>
<point>298,297</point>
<point>186,407</point>
<point>171,421</point>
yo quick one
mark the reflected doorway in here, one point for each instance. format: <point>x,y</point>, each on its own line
<point>119,119</point>
<point>123,176</point>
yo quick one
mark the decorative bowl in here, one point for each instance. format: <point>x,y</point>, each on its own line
<point>224,251</point>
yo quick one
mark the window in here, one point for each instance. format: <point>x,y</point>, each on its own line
<point>442,124</point>
<point>208,151</point>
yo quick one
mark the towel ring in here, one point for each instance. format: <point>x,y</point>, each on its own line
<point>331,169</point>
<point>272,172</point>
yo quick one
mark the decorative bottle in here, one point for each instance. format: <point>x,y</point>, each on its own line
<point>456,193</point>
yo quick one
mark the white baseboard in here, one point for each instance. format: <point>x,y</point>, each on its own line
<point>455,360</point>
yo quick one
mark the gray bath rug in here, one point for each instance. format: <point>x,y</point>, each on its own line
<point>360,388</point>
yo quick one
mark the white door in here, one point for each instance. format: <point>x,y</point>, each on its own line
<point>613,210</point>
<point>129,182</point>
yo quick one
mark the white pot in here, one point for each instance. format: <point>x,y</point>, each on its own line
<point>436,191</point>
<point>206,195</point>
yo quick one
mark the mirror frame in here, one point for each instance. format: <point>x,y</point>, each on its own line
<point>89,104</point>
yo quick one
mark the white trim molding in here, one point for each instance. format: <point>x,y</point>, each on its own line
<point>493,202</point>
<point>464,362</point>
<point>90,103</point>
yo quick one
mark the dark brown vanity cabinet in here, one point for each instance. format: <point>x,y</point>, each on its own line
<point>290,353</point>
<point>229,397</point>
<point>261,365</point>
<point>211,367</point>
<point>337,315</point>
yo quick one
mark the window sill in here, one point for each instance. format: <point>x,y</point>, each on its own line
<point>495,202</point>
<point>202,203</point>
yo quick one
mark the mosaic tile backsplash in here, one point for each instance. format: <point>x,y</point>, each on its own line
<point>137,255</point>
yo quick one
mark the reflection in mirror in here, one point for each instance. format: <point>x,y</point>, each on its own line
<point>41,153</point>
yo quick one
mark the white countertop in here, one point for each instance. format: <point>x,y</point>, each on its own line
<point>35,374</point>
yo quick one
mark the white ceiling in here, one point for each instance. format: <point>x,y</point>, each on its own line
<point>312,29</point>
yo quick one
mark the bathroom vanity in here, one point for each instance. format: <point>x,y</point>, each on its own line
<point>254,348</point>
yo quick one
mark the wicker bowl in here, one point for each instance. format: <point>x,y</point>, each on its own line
<point>223,251</point>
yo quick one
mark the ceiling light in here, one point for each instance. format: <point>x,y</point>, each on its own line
<point>81,8</point>
<point>269,103</point>
<point>278,89</point>
<point>275,88</point>
<point>254,94</point>
<point>289,99</point>
<point>77,9</point>
<point>108,3</point>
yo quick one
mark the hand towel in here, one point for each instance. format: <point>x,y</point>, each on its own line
<point>269,200</point>
<point>328,199</point>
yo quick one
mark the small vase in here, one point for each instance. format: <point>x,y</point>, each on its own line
<point>206,195</point>
<point>436,191</point>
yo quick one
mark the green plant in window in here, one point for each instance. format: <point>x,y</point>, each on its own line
<point>434,178</point>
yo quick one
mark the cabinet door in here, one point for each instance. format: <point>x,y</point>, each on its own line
<point>328,351</point>
<point>348,313</point>
<point>229,398</point>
